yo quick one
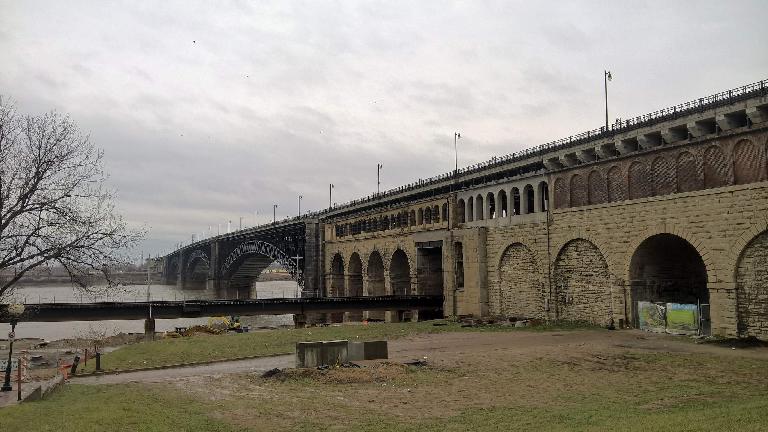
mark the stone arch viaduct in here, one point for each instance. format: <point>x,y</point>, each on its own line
<point>671,206</point>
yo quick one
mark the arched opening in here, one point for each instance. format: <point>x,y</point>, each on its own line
<point>400,280</point>
<point>503,203</point>
<point>521,294</point>
<point>461,209</point>
<point>198,274</point>
<point>445,212</point>
<point>428,215</point>
<point>355,283</point>
<point>544,196</point>
<point>582,283</point>
<point>479,208</point>
<point>336,285</point>
<point>470,209</point>
<point>752,288</point>
<point>664,269</point>
<point>491,203</point>
<point>529,200</point>
<point>244,277</point>
<point>375,278</point>
<point>412,218</point>
<point>515,201</point>
<point>436,214</point>
<point>420,217</point>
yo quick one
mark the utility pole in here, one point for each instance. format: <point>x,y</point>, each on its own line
<point>274,213</point>
<point>456,137</point>
<point>606,77</point>
<point>378,177</point>
<point>330,195</point>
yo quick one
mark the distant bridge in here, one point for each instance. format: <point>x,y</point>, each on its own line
<point>55,312</point>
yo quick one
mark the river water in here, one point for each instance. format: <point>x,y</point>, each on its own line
<point>72,329</point>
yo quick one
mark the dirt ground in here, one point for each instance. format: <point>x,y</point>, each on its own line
<point>520,370</point>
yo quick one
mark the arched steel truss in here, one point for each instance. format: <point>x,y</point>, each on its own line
<point>198,254</point>
<point>258,247</point>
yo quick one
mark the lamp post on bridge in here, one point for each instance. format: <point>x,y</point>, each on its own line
<point>330,195</point>
<point>300,197</point>
<point>378,177</point>
<point>274,213</point>
<point>456,137</point>
<point>606,77</point>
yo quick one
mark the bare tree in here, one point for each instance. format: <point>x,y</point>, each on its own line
<point>54,205</point>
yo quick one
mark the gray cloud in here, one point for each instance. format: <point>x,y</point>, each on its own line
<point>212,111</point>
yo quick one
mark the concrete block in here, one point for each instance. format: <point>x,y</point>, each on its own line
<point>356,351</point>
<point>375,350</point>
<point>334,352</point>
<point>308,354</point>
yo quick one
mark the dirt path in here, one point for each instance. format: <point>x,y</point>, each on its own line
<point>160,375</point>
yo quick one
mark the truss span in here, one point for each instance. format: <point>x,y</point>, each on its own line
<point>258,247</point>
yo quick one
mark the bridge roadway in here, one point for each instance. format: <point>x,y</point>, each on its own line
<point>54,312</point>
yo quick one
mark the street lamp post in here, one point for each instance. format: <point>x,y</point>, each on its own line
<point>300,197</point>
<point>456,137</point>
<point>330,195</point>
<point>274,213</point>
<point>606,77</point>
<point>378,177</point>
<point>15,311</point>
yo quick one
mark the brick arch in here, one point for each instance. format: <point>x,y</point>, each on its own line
<point>556,247</point>
<point>582,283</point>
<point>749,162</point>
<point>751,283</point>
<point>703,251</point>
<point>519,276</point>
<point>578,188</point>
<point>598,188</point>
<point>689,176</point>
<point>408,254</point>
<point>616,183</point>
<point>331,255</point>
<point>639,180</point>
<point>734,253</point>
<point>717,169</point>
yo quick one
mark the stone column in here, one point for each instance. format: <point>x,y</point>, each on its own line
<point>537,199</point>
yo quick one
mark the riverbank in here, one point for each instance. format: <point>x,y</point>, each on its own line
<point>481,379</point>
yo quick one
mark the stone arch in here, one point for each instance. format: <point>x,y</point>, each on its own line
<point>428,215</point>
<point>663,172</point>
<point>689,176</point>
<point>543,189</point>
<point>617,185</point>
<point>678,232</point>
<point>461,209</point>
<point>667,268</point>
<point>336,276</point>
<point>503,204</point>
<point>516,203</point>
<point>490,202</point>
<point>400,273</point>
<point>717,172</point>
<point>436,214</point>
<point>420,217</point>
<point>598,189</point>
<point>578,189</point>
<point>529,199</point>
<point>639,184</point>
<point>582,283</point>
<point>521,292</point>
<point>561,194</point>
<point>751,277</point>
<point>354,283</point>
<point>748,162</point>
<point>479,208</point>
<point>412,218</point>
<point>445,212</point>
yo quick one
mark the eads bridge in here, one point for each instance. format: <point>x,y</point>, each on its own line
<point>651,220</point>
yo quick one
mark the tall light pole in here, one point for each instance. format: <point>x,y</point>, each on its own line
<point>606,77</point>
<point>300,197</point>
<point>274,213</point>
<point>456,137</point>
<point>330,195</point>
<point>378,177</point>
<point>241,222</point>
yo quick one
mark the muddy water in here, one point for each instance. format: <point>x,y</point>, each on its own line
<point>71,329</point>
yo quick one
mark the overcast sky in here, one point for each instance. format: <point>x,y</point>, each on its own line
<point>209,111</point>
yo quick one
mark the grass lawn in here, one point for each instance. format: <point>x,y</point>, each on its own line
<point>600,390</point>
<point>261,343</point>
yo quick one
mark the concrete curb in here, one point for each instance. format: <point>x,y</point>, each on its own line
<point>176,365</point>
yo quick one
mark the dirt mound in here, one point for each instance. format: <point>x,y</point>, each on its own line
<point>378,372</point>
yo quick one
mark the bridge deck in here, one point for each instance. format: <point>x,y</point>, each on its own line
<point>52,312</point>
